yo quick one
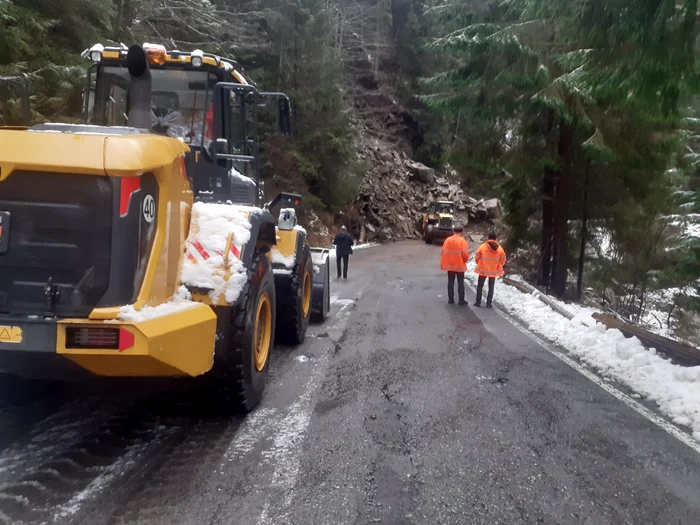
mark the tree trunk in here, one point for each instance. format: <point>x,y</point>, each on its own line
<point>547,218</point>
<point>118,20</point>
<point>547,212</point>
<point>562,200</point>
<point>582,253</point>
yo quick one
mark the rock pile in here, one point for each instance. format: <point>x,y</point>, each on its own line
<point>396,191</point>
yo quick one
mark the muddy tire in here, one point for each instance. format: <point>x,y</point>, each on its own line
<point>294,309</point>
<point>241,372</point>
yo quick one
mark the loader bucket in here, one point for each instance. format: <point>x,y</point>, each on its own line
<point>321,293</point>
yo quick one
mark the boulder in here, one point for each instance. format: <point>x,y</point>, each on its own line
<point>493,208</point>
<point>421,173</point>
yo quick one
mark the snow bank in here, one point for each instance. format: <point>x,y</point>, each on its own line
<point>675,389</point>
<point>204,265</point>
<point>357,247</point>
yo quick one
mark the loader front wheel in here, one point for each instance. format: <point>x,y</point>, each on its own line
<point>294,310</point>
<point>251,337</point>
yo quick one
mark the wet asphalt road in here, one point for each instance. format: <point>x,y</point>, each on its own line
<point>400,409</point>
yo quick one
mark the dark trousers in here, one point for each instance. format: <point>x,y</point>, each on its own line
<point>345,259</point>
<point>480,289</point>
<point>451,285</point>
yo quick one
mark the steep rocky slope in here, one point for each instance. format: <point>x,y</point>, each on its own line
<point>395,190</point>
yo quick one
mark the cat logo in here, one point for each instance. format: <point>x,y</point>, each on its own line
<point>10,334</point>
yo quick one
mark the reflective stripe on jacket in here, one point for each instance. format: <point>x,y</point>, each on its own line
<point>490,258</point>
<point>455,254</point>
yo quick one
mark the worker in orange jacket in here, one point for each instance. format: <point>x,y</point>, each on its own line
<point>455,254</point>
<point>490,258</point>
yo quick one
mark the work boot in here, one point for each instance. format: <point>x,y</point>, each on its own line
<point>489,305</point>
<point>450,301</point>
<point>478,305</point>
<point>462,302</point>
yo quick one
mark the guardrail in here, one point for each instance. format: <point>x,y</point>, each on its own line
<point>682,352</point>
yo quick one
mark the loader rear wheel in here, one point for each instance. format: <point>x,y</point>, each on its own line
<point>318,316</point>
<point>294,311</point>
<point>251,336</point>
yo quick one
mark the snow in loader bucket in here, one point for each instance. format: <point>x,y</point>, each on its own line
<point>321,294</point>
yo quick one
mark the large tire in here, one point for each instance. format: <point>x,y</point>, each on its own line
<point>243,369</point>
<point>319,317</point>
<point>294,308</point>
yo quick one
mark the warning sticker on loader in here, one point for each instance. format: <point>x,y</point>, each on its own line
<point>10,334</point>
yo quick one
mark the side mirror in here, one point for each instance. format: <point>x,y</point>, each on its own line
<point>285,124</point>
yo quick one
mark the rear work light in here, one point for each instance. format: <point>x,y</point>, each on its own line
<point>98,337</point>
<point>155,54</point>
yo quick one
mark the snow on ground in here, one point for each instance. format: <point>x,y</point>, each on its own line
<point>675,389</point>
<point>97,485</point>
<point>357,247</point>
<point>657,307</point>
<point>343,305</point>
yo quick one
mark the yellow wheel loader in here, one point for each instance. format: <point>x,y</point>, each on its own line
<point>438,221</point>
<point>140,243</point>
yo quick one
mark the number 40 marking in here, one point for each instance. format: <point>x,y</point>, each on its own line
<point>149,208</point>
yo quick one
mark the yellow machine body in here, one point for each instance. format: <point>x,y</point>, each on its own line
<point>170,344</point>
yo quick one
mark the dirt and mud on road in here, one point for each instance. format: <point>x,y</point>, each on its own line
<point>400,409</point>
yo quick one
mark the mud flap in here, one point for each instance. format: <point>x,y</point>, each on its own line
<point>321,293</point>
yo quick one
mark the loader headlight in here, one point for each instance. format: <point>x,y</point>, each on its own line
<point>197,57</point>
<point>95,52</point>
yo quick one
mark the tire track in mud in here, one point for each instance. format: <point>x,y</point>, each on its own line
<point>161,484</point>
<point>216,472</point>
<point>73,455</point>
<point>122,455</point>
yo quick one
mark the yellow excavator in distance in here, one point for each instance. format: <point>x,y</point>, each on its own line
<point>140,243</point>
<point>437,222</point>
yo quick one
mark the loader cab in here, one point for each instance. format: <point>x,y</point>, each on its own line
<point>201,99</point>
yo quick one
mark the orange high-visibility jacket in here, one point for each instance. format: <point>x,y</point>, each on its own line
<point>455,254</point>
<point>490,258</point>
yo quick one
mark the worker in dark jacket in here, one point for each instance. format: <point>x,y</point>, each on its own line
<point>343,249</point>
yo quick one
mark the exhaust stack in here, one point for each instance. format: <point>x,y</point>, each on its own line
<point>139,88</point>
